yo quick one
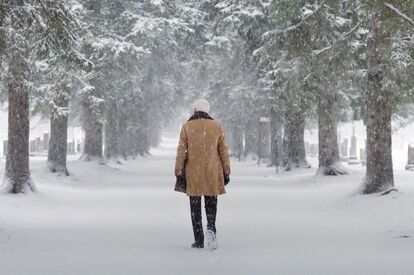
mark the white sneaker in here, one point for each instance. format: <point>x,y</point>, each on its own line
<point>211,240</point>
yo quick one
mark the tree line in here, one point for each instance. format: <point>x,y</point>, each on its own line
<point>113,67</point>
<point>312,62</point>
<point>123,68</point>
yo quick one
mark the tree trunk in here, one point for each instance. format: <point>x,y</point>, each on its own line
<point>93,134</point>
<point>251,137</point>
<point>2,29</point>
<point>112,134</point>
<point>237,142</point>
<point>139,133</point>
<point>17,177</point>
<point>146,134</point>
<point>276,137</point>
<point>378,101</point>
<point>59,135</point>
<point>294,140</point>
<point>328,137</point>
<point>155,135</point>
<point>123,136</point>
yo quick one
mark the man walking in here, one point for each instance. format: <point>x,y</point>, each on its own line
<point>202,168</point>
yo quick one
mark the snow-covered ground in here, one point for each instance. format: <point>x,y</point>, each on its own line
<point>125,219</point>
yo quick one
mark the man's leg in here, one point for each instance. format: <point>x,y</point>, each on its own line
<point>211,212</point>
<point>196,219</point>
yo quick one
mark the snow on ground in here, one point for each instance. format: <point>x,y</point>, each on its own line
<point>125,219</point>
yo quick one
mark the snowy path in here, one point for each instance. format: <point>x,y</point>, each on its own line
<point>127,220</point>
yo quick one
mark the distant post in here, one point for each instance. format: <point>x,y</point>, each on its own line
<point>353,149</point>
<point>32,146</point>
<point>344,148</point>
<point>45,141</point>
<point>410,161</point>
<point>39,147</point>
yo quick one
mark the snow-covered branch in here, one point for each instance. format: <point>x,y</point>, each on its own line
<point>400,13</point>
<point>294,27</point>
<point>343,38</point>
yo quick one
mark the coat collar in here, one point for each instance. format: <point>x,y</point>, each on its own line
<point>200,115</point>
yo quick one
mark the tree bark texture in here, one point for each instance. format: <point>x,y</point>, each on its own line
<point>93,133</point>
<point>294,140</point>
<point>59,135</point>
<point>328,137</point>
<point>17,178</point>
<point>379,102</point>
<point>112,134</point>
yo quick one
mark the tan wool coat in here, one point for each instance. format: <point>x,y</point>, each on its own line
<point>203,157</point>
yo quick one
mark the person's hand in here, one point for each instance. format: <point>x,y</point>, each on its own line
<point>181,181</point>
<point>226,179</point>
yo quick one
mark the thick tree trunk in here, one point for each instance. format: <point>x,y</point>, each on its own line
<point>17,177</point>
<point>59,135</point>
<point>93,134</point>
<point>294,141</point>
<point>379,174</point>
<point>112,135</point>
<point>328,137</point>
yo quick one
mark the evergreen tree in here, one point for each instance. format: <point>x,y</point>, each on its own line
<point>33,32</point>
<point>385,21</point>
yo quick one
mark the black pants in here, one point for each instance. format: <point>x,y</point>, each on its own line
<point>210,203</point>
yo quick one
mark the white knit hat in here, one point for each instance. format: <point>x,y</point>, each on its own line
<point>201,105</point>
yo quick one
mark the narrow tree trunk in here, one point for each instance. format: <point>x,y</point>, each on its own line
<point>2,29</point>
<point>379,174</point>
<point>273,141</point>
<point>17,177</point>
<point>146,134</point>
<point>251,136</point>
<point>328,137</point>
<point>285,142</point>
<point>139,133</point>
<point>276,137</point>
<point>93,134</point>
<point>156,135</point>
<point>295,141</point>
<point>237,147</point>
<point>123,136</point>
<point>297,146</point>
<point>112,135</point>
<point>59,135</point>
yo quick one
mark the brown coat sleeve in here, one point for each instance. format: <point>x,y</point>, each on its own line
<point>224,152</point>
<point>181,153</point>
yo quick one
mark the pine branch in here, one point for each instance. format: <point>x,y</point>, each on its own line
<point>400,13</point>
<point>294,27</point>
<point>343,38</point>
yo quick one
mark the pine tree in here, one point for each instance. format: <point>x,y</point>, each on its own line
<point>35,31</point>
<point>385,21</point>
